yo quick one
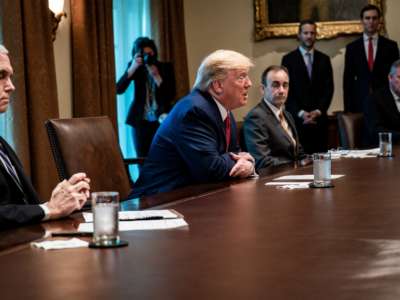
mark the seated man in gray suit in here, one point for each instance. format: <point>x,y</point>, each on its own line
<point>269,130</point>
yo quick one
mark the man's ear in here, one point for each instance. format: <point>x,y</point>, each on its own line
<point>262,89</point>
<point>217,86</point>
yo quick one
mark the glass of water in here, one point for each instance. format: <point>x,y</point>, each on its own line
<point>105,206</point>
<point>322,170</point>
<point>385,144</point>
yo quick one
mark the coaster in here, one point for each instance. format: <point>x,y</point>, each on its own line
<point>120,243</point>
<point>385,156</point>
<point>321,187</point>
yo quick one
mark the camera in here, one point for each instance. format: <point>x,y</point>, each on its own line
<point>149,59</point>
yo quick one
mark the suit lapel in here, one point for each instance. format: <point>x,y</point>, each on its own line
<point>302,64</point>
<point>276,122</point>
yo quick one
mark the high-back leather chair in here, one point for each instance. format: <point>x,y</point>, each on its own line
<point>350,129</point>
<point>89,145</point>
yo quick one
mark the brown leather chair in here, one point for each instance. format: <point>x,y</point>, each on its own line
<point>90,145</point>
<point>350,129</point>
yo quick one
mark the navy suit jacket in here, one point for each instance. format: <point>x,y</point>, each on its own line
<point>165,93</point>
<point>18,204</point>
<point>383,115</point>
<point>267,141</point>
<point>189,147</point>
<point>305,93</point>
<point>358,80</point>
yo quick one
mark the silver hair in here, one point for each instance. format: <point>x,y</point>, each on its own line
<point>3,50</point>
<point>216,66</point>
<point>393,68</point>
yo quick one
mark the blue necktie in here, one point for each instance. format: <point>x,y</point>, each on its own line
<point>309,64</point>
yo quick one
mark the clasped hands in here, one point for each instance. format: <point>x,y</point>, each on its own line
<point>68,196</point>
<point>244,165</point>
<point>310,117</point>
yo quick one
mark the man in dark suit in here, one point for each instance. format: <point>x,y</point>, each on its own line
<point>384,107</point>
<point>197,142</point>
<point>154,88</point>
<point>19,203</point>
<point>269,130</point>
<point>311,89</point>
<point>367,62</point>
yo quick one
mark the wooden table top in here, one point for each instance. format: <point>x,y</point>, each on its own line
<point>244,240</point>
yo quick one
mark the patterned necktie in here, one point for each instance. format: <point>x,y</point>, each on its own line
<point>8,165</point>
<point>370,54</point>
<point>227,123</point>
<point>309,64</point>
<point>285,127</point>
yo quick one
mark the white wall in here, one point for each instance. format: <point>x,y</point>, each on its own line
<point>228,24</point>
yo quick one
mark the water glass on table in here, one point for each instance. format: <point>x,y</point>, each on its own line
<point>105,207</point>
<point>385,144</point>
<point>322,170</point>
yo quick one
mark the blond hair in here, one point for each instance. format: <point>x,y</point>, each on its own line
<point>216,66</point>
<point>3,50</point>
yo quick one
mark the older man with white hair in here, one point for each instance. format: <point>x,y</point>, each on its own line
<point>19,203</point>
<point>197,143</point>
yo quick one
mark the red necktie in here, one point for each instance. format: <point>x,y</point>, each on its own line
<point>227,130</point>
<point>370,54</point>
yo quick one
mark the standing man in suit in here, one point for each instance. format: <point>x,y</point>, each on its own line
<point>367,62</point>
<point>154,88</point>
<point>384,107</point>
<point>269,130</point>
<point>311,89</point>
<point>19,203</point>
<point>197,142</point>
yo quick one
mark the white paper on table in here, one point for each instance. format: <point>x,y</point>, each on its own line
<point>140,225</point>
<point>305,177</point>
<point>288,183</point>
<point>137,214</point>
<point>362,153</point>
<point>60,244</point>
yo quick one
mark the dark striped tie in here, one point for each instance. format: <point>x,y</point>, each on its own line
<point>8,165</point>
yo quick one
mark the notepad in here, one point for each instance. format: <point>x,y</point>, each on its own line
<point>140,215</point>
<point>141,225</point>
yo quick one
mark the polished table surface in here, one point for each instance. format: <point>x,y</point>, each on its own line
<point>244,240</point>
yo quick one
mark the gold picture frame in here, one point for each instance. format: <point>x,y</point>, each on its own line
<point>325,29</point>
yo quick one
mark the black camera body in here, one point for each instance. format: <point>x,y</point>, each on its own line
<point>149,59</point>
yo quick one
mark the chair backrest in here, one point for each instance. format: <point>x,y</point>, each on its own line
<point>350,129</point>
<point>89,145</point>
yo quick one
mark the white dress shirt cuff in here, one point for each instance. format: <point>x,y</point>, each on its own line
<point>46,211</point>
<point>300,114</point>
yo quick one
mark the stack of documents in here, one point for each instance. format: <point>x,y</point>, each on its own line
<point>292,182</point>
<point>60,244</point>
<point>354,153</point>
<point>140,220</point>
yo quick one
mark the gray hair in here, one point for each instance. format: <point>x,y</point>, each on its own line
<point>3,50</point>
<point>216,66</point>
<point>393,68</point>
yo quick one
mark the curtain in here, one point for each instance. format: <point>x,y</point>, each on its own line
<point>93,65</point>
<point>168,30</point>
<point>26,32</point>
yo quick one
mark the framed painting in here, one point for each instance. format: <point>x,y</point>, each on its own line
<point>280,18</point>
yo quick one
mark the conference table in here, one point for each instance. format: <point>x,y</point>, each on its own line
<point>245,240</point>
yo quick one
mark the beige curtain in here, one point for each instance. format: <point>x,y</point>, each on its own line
<point>26,32</point>
<point>93,59</point>
<point>168,30</point>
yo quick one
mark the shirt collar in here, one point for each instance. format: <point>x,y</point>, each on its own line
<point>222,110</point>
<point>275,110</point>
<point>304,51</point>
<point>366,37</point>
<point>395,96</point>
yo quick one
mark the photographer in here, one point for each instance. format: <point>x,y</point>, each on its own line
<point>154,92</point>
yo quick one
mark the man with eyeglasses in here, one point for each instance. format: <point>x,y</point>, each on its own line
<point>269,130</point>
